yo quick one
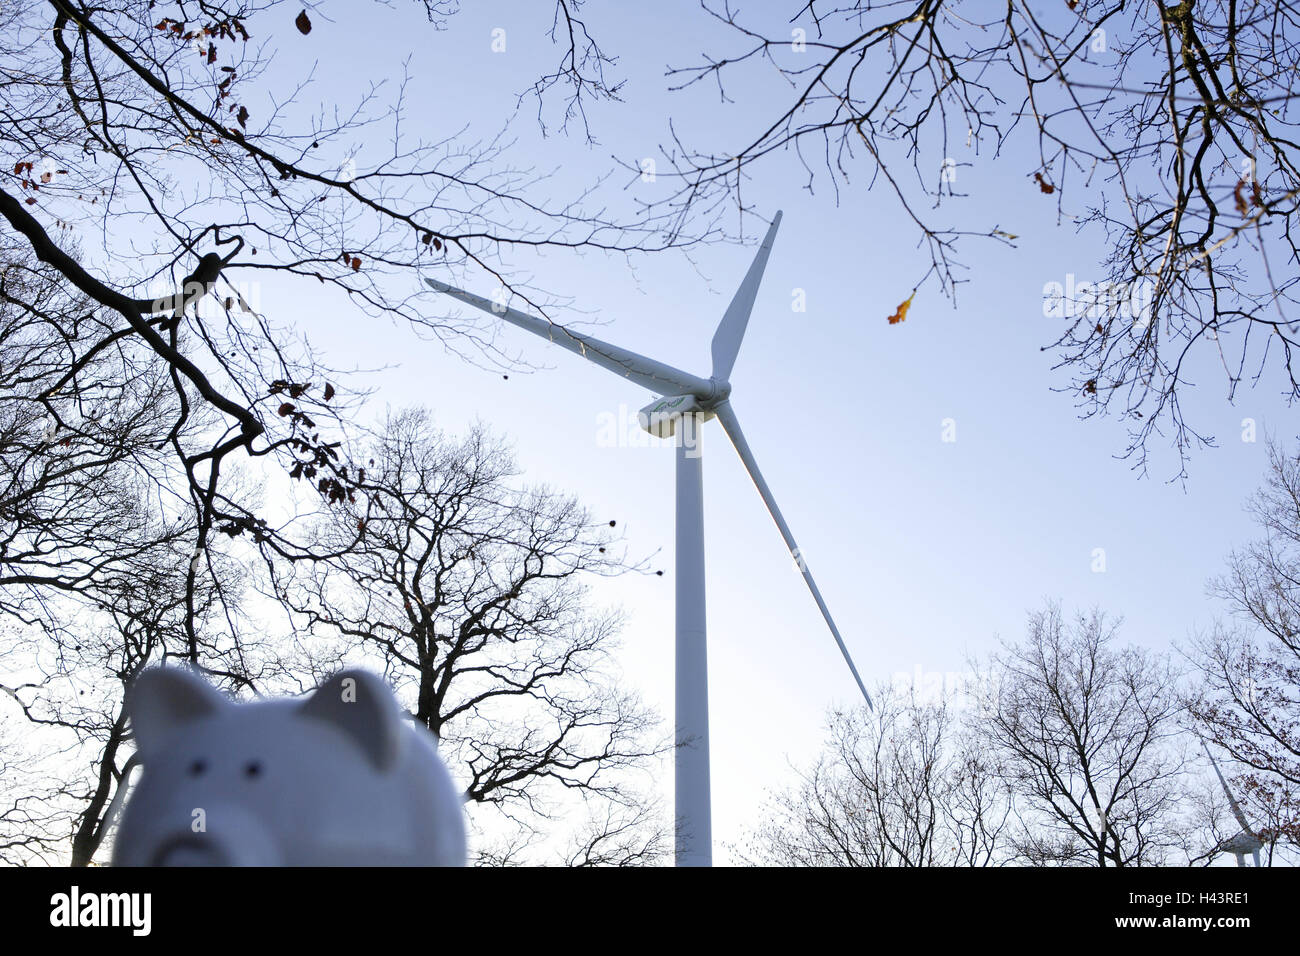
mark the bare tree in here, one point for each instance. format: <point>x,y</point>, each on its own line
<point>83,425</point>
<point>1087,736</point>
<point>82,651</point>
<point>29,831</point>
<point>1165,129</point>
<point>470,589</point>
<point>898,786</point>
<point>97,560</point>
<point>626,832</point>
<point>107,108</point>
<point>138,385</point>
<point>1248,703</point>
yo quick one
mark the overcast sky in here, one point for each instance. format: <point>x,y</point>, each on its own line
<point>926,550</point>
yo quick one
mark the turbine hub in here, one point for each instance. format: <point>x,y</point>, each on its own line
<point>719,391</point>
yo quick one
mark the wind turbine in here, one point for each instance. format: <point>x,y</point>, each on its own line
<point>1246,841</point>
<point>687,401</point>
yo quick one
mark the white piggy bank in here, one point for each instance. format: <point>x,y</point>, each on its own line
<point>338,779</point>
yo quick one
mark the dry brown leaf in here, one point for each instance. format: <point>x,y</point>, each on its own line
<point>901,312</point>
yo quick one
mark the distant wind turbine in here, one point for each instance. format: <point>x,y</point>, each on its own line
<point>687,402</point>
<point>1247,840</point>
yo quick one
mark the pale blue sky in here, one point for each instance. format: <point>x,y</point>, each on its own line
<point>926,551</point>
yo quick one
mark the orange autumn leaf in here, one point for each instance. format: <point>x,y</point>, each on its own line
<point>901,312</point>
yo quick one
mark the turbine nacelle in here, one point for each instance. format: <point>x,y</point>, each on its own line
<point>661,416</point>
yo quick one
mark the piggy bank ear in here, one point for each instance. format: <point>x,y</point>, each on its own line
<point>363,707</point>
<point>163,699</point>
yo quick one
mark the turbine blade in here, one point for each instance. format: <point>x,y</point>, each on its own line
<point>1232,801</point>
<point>731,330</point>
<point>731,425</point>
<point>659,378</point>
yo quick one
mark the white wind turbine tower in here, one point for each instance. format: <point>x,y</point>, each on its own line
<point>687,402</point>
<point>1247,841</point>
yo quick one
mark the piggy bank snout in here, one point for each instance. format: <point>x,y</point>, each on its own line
<point>235,839</point>
<point>190,851</point>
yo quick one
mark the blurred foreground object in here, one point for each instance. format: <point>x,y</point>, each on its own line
<point>338,779</point>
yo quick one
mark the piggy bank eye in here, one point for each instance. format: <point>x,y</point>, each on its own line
<point>198,767</point>
<point>253,768</point>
